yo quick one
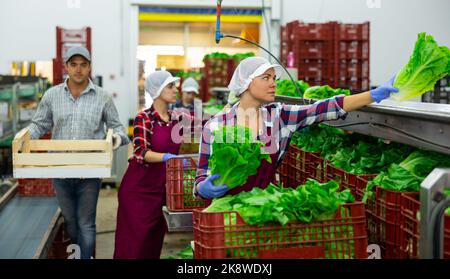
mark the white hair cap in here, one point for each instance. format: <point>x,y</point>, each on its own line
<point>247,70</point>
<point>156,81</point>
<point>190,85</point>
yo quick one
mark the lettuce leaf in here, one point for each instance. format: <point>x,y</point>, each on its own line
<point>428,64</point>
<point>324,92</point>
<point>235,155</point>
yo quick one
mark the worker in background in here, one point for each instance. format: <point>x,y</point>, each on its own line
<point>140,222</point>
<point>272,123</point>
<point>190,90</point>
<point>78,110</point>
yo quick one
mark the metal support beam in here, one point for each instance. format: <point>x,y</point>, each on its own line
<point>431,189</point>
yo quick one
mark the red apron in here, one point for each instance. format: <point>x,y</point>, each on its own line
<point>140,222</point>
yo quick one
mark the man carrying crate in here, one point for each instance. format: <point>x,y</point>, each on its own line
<point>78,110</point>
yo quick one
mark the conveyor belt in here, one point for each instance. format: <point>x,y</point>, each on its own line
<point>27,227</point>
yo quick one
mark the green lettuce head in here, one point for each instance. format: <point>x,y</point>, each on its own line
<point>428,64</point>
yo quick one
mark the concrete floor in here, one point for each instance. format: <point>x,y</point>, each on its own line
<point>106,225</point>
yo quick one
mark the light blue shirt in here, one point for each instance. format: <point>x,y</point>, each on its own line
<point>76,119</point>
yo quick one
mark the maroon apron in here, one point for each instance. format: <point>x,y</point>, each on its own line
<point>140,222</point>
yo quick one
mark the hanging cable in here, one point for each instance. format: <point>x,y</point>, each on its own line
<point>220,35</point>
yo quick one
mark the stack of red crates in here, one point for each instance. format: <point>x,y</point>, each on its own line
<point>217,73</point>
<point>353,61</point>
<point>329,53</point>
<point>65,39</point>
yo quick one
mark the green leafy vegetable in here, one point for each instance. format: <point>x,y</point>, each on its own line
<point>409,174</point>
<point>369,156</point>
<point>447,193</point>
<point>196,75</point>
<point>324,92</point>
<point>235,155</point>
<point>353,153</point>
<point>287,88</point>
<point>238,57</point>
<point>314,138</point>
<point>188,185</point>
<point>428,64</point>
<point>309,202</point>
<point>185,254</point>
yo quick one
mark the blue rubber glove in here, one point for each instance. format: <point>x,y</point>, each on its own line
<point>384,91</point>
<point>168,156</point>
<point>208,190</point>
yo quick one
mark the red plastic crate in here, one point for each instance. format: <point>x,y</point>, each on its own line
<point>314,49</point>
<point>317,167</point>
<point>222,235</point>
<point>354,84</point>
<point>300,165</point>
<point>353,69</point>
<point>353,49</point>
<point>287,40</point>
<point>383,221</point>
<point>313,81</point>
<point>316,31</point>
<point>361,183</point>
<point>410,225</point>
<point>346,179</point>
<point>34,187</point>
<point>317,69</point>
<point>283,170</point>
<point>180,185</point>
<point>353,32</point>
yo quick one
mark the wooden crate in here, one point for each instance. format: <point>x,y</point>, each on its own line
<point>61,158</point>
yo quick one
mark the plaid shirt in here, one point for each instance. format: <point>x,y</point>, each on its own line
<point>283,120</point>
<point>81,118</point>
<point>143,129</point>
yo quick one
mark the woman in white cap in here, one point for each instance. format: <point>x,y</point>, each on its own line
<point>190,90</point>
<point>140,222</point>
<point>272,123</point>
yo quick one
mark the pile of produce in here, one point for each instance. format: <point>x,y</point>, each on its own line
<point>408,174</point>
<point>287,88</point>
<point>307,203</point>
<point>324,92</point>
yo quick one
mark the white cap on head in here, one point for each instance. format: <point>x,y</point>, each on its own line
<point>247,70</point>
<point>156,81</point>
<point>190,85</point>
